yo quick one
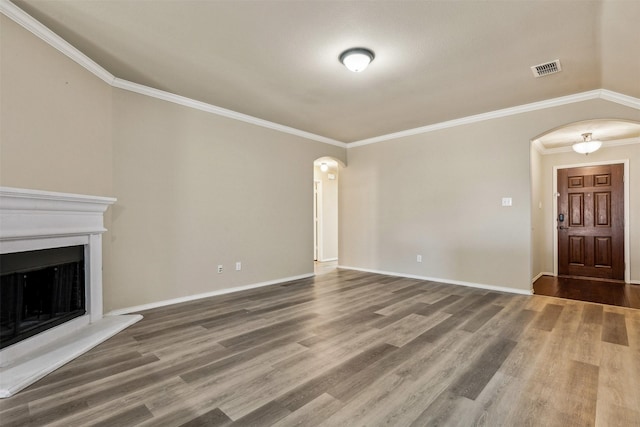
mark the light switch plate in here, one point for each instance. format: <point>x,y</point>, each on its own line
<point>507,201</point>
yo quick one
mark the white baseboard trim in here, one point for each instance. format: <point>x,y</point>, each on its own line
<point>539,275</point>
<point>448,281</point>
<point>163,303</point>
<point>634,282</point>
<point>536,277</point>
<point>328,259</point>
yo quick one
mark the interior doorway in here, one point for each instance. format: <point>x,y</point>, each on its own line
<point>325,210</point>
<point>593,272</point>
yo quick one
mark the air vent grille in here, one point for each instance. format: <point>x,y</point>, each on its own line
<point>546,69</point>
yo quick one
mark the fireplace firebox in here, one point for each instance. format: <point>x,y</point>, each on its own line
<point>39,290</point>
<point>51,277</point>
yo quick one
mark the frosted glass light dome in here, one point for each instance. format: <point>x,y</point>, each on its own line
<point>587,145</point>
<point>357,59</point>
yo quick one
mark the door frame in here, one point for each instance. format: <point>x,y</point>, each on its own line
<point>627,255</point>
<point>317,220</point>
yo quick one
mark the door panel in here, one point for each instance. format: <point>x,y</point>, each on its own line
<point>602,254</point>
<point>591,237</point>
<point>576,210</point>
<point>602,209</point>
<point>576,250</point>
<point>576,182</point>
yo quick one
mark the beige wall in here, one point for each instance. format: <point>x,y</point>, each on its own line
<point>196,190</point>
<point>624,152</point>
<point>55,117</point>
<point>438,194</point>
<point>55,123</point>
<point>537,213</point>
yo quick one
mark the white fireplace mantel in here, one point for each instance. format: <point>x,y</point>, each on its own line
<point>29,214</point>
<point>33,220</point>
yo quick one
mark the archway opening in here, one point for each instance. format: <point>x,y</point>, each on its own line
<point>556,222</point>
<point>326,175</point>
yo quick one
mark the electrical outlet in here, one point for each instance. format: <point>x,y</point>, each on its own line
<point>419,258</point>
<point>220,268</point>
<point>238,266</point>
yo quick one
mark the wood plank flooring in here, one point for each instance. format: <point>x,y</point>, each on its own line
<point>620,294</point>
<point>352,349</point>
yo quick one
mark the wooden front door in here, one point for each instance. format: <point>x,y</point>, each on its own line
<point>591,221</point>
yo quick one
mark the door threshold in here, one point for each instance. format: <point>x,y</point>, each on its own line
<point>598,279</point>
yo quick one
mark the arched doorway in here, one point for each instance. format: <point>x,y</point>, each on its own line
<point>552,161</point>
<point>326,172</point>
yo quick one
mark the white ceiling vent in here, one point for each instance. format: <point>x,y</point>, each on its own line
<point>546,69</point>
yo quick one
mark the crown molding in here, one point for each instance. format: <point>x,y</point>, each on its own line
<point>219,111</point>
<point>619,98</point>
<point>32,25</point>
<point>541,105</point>
<point>605,94</point>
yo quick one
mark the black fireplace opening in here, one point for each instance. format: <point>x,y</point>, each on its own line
<point>39,290</point>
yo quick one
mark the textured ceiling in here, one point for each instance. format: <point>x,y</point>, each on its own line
<point>278,60</point>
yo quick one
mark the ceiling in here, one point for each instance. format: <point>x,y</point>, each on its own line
<point>278,60</point>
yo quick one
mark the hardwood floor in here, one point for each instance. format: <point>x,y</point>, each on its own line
<point>620,294</point>
<point>351,349</point>
<point>324,267</point>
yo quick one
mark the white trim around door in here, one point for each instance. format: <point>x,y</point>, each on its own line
<point>627,255</point>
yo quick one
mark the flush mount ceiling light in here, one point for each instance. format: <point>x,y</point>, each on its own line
<point>357,58</point>
<point>587,145</point>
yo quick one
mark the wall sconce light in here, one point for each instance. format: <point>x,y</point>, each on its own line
<point>324,167</point>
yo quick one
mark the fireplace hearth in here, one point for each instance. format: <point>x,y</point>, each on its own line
<point>50,283</point>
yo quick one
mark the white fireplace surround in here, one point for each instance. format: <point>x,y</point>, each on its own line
<point>33,220</point>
